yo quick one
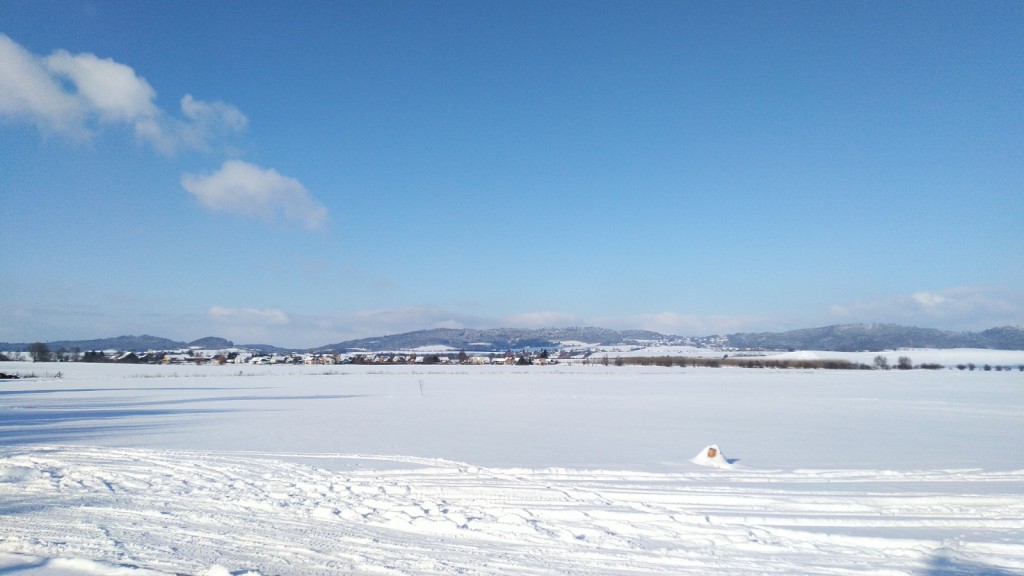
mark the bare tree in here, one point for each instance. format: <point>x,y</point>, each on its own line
<point>40,352</point>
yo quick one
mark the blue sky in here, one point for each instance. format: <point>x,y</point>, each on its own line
<point>301,174</point>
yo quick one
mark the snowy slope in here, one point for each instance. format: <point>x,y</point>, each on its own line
<point>183,512</point>
<point>496,470</point>
<point>944,357</point>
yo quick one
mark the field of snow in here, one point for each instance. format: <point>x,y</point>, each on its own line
<point>281,470</point>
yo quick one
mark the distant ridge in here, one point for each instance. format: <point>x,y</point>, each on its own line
<point>141,343</point>
<point>123,343</point>
<point>498,339</point>
<point>839,338</point>
<point>856,337</point>
<point>212,342</point>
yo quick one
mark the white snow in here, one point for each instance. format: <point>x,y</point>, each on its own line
<point>712,456</point>
<point>575,344</point>
<point>267,470</point>
<point>434,349</point>
<point>945,357</point>
<point>688,351</point>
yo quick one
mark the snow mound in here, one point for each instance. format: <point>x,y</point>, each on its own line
<point>433,349</point>
<point>218,570</point>
<point>712,456</point>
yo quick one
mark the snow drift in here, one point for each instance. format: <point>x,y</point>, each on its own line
<point>152,471</point>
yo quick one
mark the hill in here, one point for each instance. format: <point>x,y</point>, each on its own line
<point>856,337</point>
<point>123,343</point>
<point>839,338</point>
<point>212,343</point>
<point>499,339</point>
<point>141,343</point>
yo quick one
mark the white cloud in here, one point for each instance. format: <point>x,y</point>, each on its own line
<point>381,322</point>
<point>929,299</point>
<point>385,321</point>
<point>71,93</point>
<point>407,319</point>
<point>541,320</point>
<point>76,94</point>
<point>204,122</point>
<point>961,308</point>
<point>246,325</point>
<point>246,189</point>
<point>28,90</point>
<point>273,326</point>
<point>689,325</point>
<point>263,317</point>
<point>213,112</point>
<point>109,88</point>
<point>399,320</point>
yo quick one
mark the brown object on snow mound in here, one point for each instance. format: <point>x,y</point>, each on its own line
<point>712,456</point>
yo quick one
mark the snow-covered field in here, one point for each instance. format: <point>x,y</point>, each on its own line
<point>280,470</point>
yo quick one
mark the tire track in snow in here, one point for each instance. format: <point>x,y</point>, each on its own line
<point>181,512</point>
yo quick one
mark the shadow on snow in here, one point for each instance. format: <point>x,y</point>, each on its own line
<point>945,563</point>
<point>92,417</point>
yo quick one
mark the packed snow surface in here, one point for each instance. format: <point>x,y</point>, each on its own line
<point>156,470</point>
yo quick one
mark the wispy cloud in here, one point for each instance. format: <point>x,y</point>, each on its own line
<point>960,308</point>
<point>540,320</point>
<point>261,316</point>
<point>256,325</point>
<point>107,88</point>
<point>30,91</point>
<point>249,190</point>
<point>203,125</point>
<point>76,94</point>
<point>250,325</point>
<point>689,324</point>
<point>409,318</point>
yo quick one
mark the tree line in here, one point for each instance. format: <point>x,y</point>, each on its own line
<point>40,352</point>
<point>880,363</point>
